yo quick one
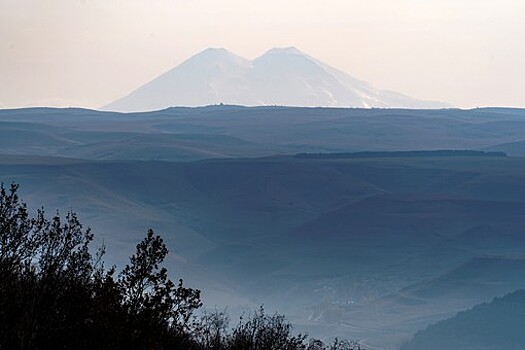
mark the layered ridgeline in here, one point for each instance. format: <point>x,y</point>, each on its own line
<point>374,246</point>
<point>490,326</point>
<point>285,77</point>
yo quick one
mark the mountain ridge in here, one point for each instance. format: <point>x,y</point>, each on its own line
<point>488,326</point>
<point>280,76</point>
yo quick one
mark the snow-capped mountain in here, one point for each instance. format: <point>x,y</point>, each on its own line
<point>281,76</point>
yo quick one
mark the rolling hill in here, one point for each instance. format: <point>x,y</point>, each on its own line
<point>374,245</point>
<point>489,326</point>
<point>185,134</point>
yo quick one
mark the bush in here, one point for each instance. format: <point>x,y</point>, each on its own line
<point>54,294</point>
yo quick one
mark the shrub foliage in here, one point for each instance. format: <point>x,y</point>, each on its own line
<point>56,294</point>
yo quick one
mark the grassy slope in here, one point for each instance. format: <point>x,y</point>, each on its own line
<point>211,132</point>
<point>305,235</point>
<point>297,230</point>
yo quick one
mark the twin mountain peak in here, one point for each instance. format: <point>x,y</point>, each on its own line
<point>281,76</point>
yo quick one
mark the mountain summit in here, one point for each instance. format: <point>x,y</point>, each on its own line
<point>281,76</point>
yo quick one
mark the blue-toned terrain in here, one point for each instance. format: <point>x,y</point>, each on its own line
<point>365,223</point>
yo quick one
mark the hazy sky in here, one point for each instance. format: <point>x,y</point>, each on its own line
<point>91,52</point>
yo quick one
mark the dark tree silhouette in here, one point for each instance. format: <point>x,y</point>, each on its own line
<point>265,332</point>
<point>153,303</point>
<point>55,294</point>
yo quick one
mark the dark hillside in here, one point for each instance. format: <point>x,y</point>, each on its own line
<point>490,326</point>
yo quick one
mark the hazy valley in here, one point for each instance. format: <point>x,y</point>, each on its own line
<point>262,175</point>
<point>371,246</point>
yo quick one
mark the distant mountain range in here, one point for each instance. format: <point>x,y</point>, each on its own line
<point>281,76</point>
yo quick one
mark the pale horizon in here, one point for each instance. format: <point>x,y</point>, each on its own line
<point>90,53</point>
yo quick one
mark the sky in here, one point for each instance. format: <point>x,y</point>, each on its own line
<point>88,53</point>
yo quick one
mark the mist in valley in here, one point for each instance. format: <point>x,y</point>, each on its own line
<point>262,175</point>
<point>354,223</point>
